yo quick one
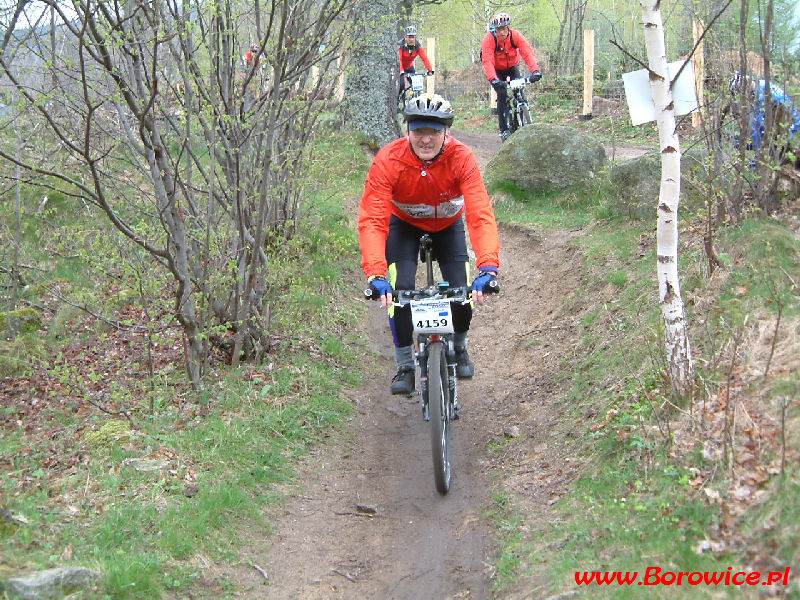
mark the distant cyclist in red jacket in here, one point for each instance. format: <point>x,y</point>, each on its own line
<point>410,48</point>
<point>500,54</point>
<point>426,182</point>
<point>251,54</point>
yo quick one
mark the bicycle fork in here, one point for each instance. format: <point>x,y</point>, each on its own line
<point>452,387</point>
<point>451,380</point>
<point>422,361</point>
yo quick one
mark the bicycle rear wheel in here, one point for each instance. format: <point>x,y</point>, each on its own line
<point>439,407</point>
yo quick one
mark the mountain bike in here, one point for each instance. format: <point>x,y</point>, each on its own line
<point>432,316</point>
<point>518,113</point>
<point>411,86</point>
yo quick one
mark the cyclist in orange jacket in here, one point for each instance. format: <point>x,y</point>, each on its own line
<point>500,54</point>
<point>410,48</point>
<point>426,182</point>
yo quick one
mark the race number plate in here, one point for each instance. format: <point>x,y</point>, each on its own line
<point>432,316</point>
<point>417,82</point>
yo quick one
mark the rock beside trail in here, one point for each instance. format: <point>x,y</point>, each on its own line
<point>637,183</point>
<point>50,584</point>
<point>543,158</point>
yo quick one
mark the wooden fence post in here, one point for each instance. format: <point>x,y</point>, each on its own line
<point>699,73</point>
<point>431,52</point>
<point>339,89</point>
<point>588,73</point>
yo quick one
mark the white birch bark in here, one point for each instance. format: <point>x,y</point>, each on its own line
<point>679,356</point>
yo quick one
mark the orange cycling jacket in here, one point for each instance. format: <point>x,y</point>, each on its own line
<point>409,53</point>
<point>501,55</point>
<point>429,197</point>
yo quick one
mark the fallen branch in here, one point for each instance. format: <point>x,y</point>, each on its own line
<point>260,570</point>
<point>345,574</point>
<point>355,514</point>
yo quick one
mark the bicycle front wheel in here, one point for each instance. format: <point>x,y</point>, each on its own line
<point>511,118</point>
<point>524,114</point>
<point>439,407</point>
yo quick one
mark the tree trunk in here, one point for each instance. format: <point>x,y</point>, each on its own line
<point>570,37</point>
<point>679,356</point>
<point>370,89</point>
<point>768,153</point>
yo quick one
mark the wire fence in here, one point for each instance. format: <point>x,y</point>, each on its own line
<point>720,54</point>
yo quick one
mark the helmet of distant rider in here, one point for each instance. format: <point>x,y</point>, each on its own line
<point>411,30</point>
<point>254,47</point>
<point>428,110</point>
<point>501,20</point>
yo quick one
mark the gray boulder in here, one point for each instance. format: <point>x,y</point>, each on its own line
<point>546,157</point>
<point>637,182</point>
<point>50,583</point>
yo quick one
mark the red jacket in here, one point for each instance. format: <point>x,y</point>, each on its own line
<point>249,56</point>
<point>502,55</point>
<point>409,53</point>
<point>431,198</point>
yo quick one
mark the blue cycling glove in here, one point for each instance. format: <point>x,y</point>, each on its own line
<point>380,286</point>
<point>483,281</point>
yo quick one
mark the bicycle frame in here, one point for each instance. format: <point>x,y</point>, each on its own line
<point>435,291</point>
<point>431,314</point>
<point>436,356</point>
<point>518,112</point>
<point>424,342</point>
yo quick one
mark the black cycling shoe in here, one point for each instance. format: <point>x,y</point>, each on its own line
<point>465,369</point>
<point>403,381</point>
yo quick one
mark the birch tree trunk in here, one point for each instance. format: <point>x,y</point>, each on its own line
<point>679,356</point>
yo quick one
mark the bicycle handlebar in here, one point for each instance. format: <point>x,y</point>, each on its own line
<point>454,294</point>
<point>518,83</point>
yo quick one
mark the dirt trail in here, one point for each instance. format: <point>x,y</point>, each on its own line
<point>419,544</point>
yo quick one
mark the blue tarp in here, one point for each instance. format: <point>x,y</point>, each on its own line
<point>779,97</point>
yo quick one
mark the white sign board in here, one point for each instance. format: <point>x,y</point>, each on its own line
<point>640,97</point>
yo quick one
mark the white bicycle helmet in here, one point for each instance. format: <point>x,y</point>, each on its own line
<point>411,30</point>
<point>501,20</point>
<point>429,107</point>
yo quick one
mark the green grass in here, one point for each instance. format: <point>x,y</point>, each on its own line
<point>142,530</point>
<point>774,258</point>
<point>145,524</point>
<point>506,523</point>
<point>569,210</point>
<point>633,506</point>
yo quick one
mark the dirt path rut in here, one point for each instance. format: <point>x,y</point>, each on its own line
<point>366,520</point>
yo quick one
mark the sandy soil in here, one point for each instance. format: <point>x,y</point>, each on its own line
<point>366,520</point>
